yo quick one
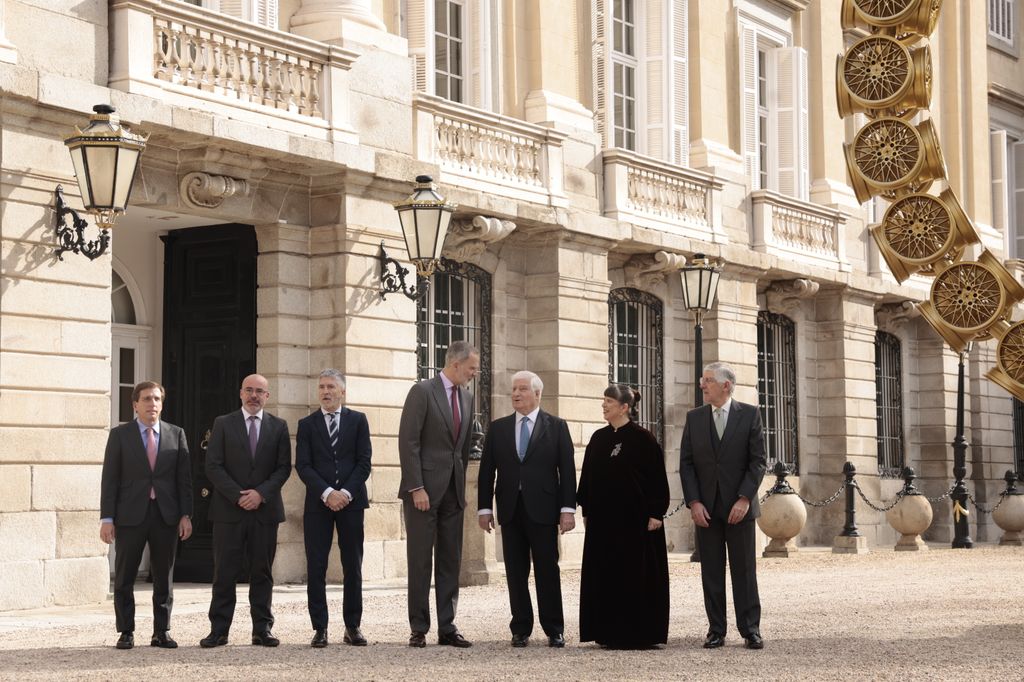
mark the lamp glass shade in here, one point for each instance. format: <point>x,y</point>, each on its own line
<point>106,157</point>
<point>700,284</point>
<point>425,217</point>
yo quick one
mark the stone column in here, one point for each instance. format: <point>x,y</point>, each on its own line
<point>349,23</point>
<point>842,416</point>
<point>551,89</point>
<point>282,356</point>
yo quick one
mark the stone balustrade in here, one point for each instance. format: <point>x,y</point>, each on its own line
<point>795,229</point>
<point>180,53</point>
<point>659,195</point>
<point>488,152</point>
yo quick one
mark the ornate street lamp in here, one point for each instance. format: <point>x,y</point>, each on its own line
<point>959,496</point>
<point>700,286</point>
<point>106,157</point>
<point>425,217</point>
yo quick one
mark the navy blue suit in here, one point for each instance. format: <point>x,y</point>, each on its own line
<point>345,467</point>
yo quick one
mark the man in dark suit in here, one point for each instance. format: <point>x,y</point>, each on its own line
<point>433,449</point>
<point>248,459</point>
<point>145,498</point>
<point>332,456</point>
<point>722,462</point>
<point>531,453</point>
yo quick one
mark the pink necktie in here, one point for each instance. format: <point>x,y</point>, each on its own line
<point>456,419</point>
<point>151,455</point>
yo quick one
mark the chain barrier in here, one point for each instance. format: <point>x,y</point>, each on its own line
<point>824,503</point>
<point>981,509</point>
<point>943,496</point>
<point>681,505</point>
<point>899,496</point>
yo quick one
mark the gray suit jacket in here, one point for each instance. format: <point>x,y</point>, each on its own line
<point>428,453</point>
<point>723,469</point>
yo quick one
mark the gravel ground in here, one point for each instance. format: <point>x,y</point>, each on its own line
<point>941,614</point>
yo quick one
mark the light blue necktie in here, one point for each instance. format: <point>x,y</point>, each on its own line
<point>524,438</point>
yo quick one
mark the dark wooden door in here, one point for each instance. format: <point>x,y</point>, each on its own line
<point>209,346</point>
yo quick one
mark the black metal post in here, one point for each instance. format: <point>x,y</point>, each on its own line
<point>850,529</point>
<point>698,397</point>
<point>782,486</point>
<point>961,530</point>
<point>909,475</point>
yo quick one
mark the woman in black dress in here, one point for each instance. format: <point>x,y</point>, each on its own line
<point>623,494</point>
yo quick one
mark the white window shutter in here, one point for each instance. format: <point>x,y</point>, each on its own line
<point>481,52</point>
<point>748,98</point>
<point>233,8</point>
<point>1000,191</point>
<point>791,117</point>
<point>419,32</point>
<point>1017,222</point>
<point>262,12</point>
<point>266,13</point>
<point>599,53</point>
<point>656,65</point>
<point>680,96</point>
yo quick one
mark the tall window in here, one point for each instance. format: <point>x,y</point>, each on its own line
<point>1002,28</point>
<point>1018,438</point>
<point>776,386</point>
<point>635,355</point>
<point>640,76</point>
<point>455,47</point>
<point>889,405</point>
<point>129,349</point>
<point>1007,155</point>
<point>448,49</point>
<point>775,111</point>
<point>457,307</point>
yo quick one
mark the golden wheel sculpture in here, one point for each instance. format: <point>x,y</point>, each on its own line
<point>889,154</point>
<point>1009,369</point>
<point>880,73</point>
<point>967,298</point>
<point>919,230</point>
<point>897,16</point>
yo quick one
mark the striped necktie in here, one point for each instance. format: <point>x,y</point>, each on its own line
<point>332,429</point>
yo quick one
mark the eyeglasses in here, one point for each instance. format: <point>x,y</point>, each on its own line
<point>249,390</point>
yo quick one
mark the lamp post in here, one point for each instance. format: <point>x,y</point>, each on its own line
<point>961,529</point>
<point>700,285</point>
<point>425,217</point>
<point>105,156</point>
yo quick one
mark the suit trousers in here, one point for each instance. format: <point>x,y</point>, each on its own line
<point>434,536</point>
<point>738,539</point>
<point>318,528</point>
<point>237,545</point>
<point>521,538</point>
<point>129,542</point>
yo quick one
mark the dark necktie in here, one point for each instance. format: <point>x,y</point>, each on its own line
<point>151,456</point>
<point>332,429</point>
<point>254,436</point>
<point>456,418</point>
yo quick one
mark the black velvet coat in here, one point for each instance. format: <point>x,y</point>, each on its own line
<point>624,584</point>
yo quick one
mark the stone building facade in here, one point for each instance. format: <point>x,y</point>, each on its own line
<point>591,146</point>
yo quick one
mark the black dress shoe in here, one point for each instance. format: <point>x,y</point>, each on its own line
<point>163,640</point>
<point>519,641</point>
<point>265,638</point>
<point>418,639</point>
<point>454,639</point>
<point>125,641</point>
<point>319,639</point>
<point>556,641</point>
<point>354,637</point>
<point>714,640</point>
<point>755,641</point>
<point>213,639</point>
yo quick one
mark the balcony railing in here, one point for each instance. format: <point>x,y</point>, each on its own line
<point>791,228</point>
<point>180,53</point>
<point>489,152</point>
<point>661,196</point>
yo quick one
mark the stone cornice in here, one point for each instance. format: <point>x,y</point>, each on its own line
<point>646,271</point>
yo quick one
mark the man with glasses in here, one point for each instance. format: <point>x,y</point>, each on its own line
<point>248,459</point>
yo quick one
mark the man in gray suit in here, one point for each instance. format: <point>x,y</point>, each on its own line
<point>433,448</point>
<point>145,499</point>
<point>722,462</point>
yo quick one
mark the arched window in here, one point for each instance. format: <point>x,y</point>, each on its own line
<point>635,352</point>
<point>776,387</point>
<point>129,344</point>
<point>889,404</point>
<point>457,307</point>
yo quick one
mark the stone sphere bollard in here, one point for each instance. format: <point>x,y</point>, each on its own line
<point>1009,515</point>
<point>910,517</point>
<point>782,518</point>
